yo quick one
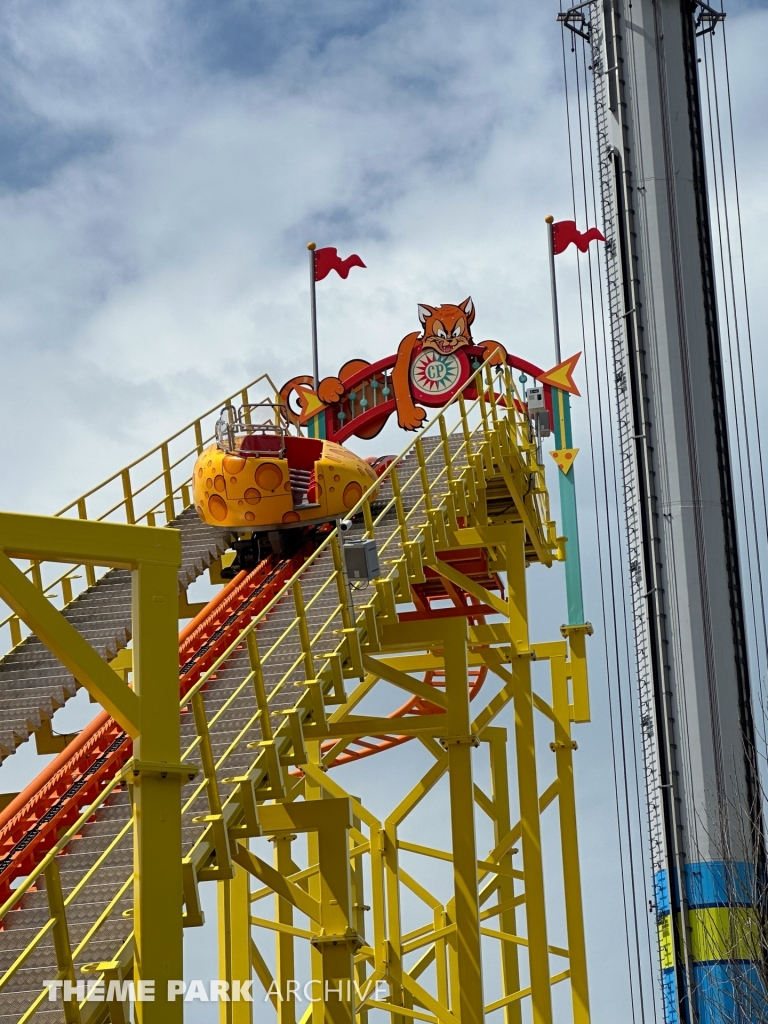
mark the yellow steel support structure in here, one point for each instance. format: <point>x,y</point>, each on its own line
<point>397,909</point>
<point>481,487</point>
<point>149,713</point>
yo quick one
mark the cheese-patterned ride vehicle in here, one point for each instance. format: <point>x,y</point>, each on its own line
<point>258,477</point>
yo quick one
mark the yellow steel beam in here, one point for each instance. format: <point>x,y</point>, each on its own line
<point>471,587</point>
<point>277,882</point>
<point>60,637</point>
<point>460,742</point>
<point>149,713</point>
<point>357,725</point>
<point>235,946</point>
<point>510,966</point>
<point>51,539</point>
<point>533,866</point>
<point>263,973</point>
<point>285,961</point>
<point>419,791</point>
<point>156,778</point>
<point>563,749</point>
<point>404,681</point>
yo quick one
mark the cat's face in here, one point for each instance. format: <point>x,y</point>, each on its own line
<point>447,328</point>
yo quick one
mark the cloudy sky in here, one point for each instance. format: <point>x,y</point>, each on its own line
<point>163,165</point>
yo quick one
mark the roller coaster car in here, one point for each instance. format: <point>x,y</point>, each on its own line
<point>258,477</point>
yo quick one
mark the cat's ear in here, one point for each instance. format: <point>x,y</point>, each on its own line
<point>469,308</point>
<point>424,313</point>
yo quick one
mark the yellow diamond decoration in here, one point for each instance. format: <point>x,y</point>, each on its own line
<point>565,457</point>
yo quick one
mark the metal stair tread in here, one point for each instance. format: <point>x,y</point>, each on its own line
<point>102,614</point>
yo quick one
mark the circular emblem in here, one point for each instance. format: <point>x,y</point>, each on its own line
<point>435,378</point>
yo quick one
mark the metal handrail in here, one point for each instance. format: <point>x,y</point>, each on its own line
<point>159,447</point>
<point>165,503</point>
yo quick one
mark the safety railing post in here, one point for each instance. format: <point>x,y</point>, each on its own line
<point>156,775</point>
<point>492,395</point>
<point>259,690</point>
<point>342,583</point>
<point>370,533</point>
<point>424,475</point>
<point>402,525</point>
<point>90,572</point>
<point>483,406</point>
<point>61,944</point>
<point>306,643</point>
<point>130,516</point>
<point>402,522</point>
<point>465,426</point>
<point>170,506</point>
<point>509,396</point>
<point>223,859</point>
<point>447,458</point>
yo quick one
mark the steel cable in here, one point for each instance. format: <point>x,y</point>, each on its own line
<point>601,573</point>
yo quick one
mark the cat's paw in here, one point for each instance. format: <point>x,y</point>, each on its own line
<point>412,418</point>
<point>495,351</point>
<point>330,389</point>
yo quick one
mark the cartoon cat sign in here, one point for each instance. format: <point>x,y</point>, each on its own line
<point>431,366</point>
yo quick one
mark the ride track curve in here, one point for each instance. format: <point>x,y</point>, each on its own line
<point>31,824</point>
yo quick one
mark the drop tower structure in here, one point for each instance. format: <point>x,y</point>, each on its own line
<point>687,596</point>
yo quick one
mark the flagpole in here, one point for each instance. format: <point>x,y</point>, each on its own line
<point>561,407</point>
<point>553,285</point>
<point>313,307</point>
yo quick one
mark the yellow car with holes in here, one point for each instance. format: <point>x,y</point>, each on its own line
<point>259,477</point>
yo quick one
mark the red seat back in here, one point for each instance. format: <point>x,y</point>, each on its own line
<point>267,444</point>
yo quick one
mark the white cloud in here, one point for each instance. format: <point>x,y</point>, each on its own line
<point>161,262</point>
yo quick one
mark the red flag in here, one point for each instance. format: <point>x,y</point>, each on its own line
<point>564,232</point>
<point>327,260</point>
